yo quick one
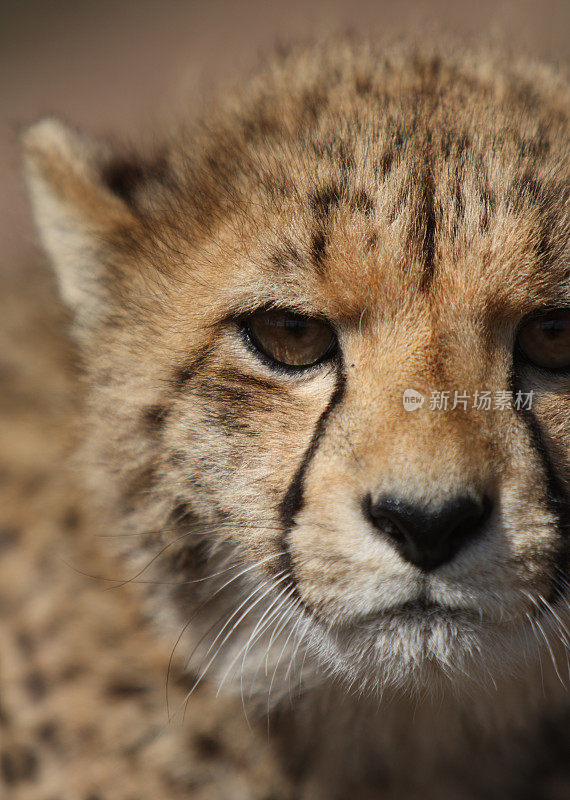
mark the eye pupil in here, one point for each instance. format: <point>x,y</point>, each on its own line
<point>552,327</point>
<point>290,339</point>
<point>545,341</point>
<point>296,327</point>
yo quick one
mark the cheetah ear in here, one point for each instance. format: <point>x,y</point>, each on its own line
<point>75,210</point>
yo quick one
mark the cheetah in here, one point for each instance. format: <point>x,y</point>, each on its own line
<point>286,443</point>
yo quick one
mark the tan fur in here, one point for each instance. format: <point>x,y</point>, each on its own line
<point>419,202</point>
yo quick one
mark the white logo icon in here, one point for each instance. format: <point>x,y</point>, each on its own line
<point>413,400</point>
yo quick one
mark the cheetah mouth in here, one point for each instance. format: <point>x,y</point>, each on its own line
<point>415,643</point>
<point>421,608</point>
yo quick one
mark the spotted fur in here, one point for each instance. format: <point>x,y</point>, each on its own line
<point>418,201</point>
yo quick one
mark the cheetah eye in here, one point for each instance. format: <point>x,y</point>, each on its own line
<point>545,340</point>
<point>290,339</point>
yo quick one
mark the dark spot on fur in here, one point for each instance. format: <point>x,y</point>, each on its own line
<point>183,514</point>
<point>429,228</point>
<point>189,560</point>
<point>423,228</point>
<point>229,400</point>
<point>139,486</point>
<point>397,205</point>
<point>188,372</point>
<point>397,138</point>
<point>154,416</point>
<point>72,519</point>
<point>26,643</point>
<point>539,146</point>
<point>525,93</point>
<point>123,690</point>
<point>4,717</point>
<point>346,160</point>
<point>385,163</point>
<point>48,732</point>
<point>525,190</point>
<point>286,255</point>
<point>360,201</point>
<point>371,240</point>
<point>7,768</point>
<point>459,204</point>
<point>487,208</point>
<point>363,85</point>
<point>207,747</point>
<point>9,537</point>
<point>123,175</point>
<point>230,375</point>
<point>543,198</point>
<point>235,395</point>
<point>325,200</point>
<point>446,143</point>
<point>462,144</point>
<point>259,126</point>
<point>313,104</point>
<point>72,672</point>
<point>318,249</point>
<point>18,764</point>
<point>36,685</point>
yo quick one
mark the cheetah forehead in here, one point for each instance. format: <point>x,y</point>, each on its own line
<point>337,180</point>
<point>390,168</point>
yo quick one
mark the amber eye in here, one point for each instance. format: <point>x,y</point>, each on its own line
<point>545,340</point>
<point>290,339</point>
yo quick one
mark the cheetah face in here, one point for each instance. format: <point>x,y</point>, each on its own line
<point>329,348</point>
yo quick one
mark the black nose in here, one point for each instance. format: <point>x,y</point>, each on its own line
<point>425,536</point>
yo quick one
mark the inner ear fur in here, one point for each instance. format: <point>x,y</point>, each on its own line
<point>77,210</point>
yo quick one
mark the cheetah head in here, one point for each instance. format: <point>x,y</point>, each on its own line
<point>326,334</point>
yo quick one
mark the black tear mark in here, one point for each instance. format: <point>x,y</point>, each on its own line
<point>556,499</point>
<point>293,500</point>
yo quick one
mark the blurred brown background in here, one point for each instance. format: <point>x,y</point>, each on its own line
<point>118,67</point>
